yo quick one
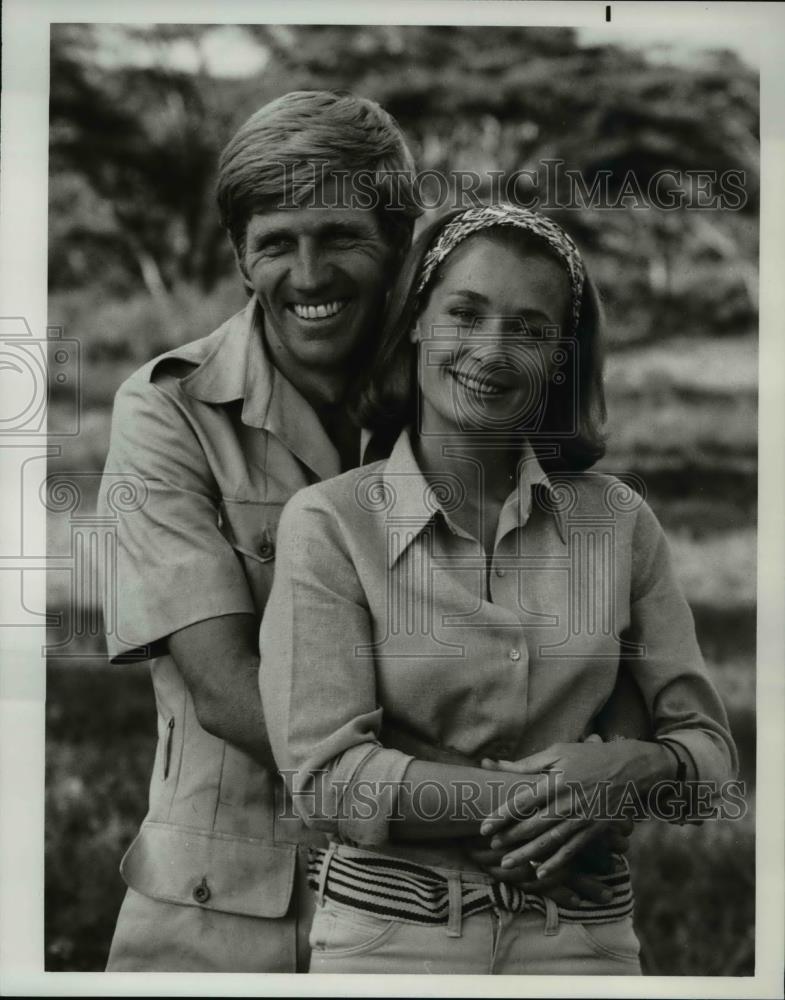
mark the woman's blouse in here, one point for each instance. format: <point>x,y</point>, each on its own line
<point>387,618</point>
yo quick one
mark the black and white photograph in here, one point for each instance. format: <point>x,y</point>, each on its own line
<point>390,423</point>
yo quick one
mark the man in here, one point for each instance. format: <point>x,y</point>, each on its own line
<point>221,432</point>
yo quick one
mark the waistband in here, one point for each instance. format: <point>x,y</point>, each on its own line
<point>400,890</point>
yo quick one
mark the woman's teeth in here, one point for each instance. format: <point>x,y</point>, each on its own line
<point>323,311</point>
<point>477,384</point>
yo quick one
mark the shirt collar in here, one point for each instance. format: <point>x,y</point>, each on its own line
<point>532,482</point>
<point>239,368</point>
<point>412,503</point>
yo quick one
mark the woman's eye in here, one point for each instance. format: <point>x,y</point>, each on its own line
<point>463,315</point>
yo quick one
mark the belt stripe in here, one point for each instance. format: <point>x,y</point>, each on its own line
<point>414,894</point>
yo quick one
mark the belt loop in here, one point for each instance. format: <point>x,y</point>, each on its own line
<point>328,856</point>
<point>551,917</point>
<point>455,903</point>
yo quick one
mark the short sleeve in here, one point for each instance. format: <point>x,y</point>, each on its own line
<point>319,697</point>
<point>172,567</point>
<point>682,701</point>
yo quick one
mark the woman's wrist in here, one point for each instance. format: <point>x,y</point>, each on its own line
<point>649,763</point>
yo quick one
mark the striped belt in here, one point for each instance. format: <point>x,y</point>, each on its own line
<point>414,894</point>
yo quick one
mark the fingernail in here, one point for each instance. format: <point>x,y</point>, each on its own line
<point>574,901</point>
<point>507,862</point>
<point>485,828</point>
<point>542,872</point>
<point>606,895</point>
<point>496,844</point>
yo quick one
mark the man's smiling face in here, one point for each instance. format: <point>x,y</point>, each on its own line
<point>320,275</point>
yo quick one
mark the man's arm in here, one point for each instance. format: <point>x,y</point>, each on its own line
<point>219,661</point>
<point>179,585</point>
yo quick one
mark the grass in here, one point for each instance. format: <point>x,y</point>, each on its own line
<point>695,897</point>
<point>95,799</point>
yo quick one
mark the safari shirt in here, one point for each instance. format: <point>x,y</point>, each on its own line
<point>208,442</point>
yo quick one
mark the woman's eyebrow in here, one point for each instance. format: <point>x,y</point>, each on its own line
<point>480,299</point>
<point>467,293</point>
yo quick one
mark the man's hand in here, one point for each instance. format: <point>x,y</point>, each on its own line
<point>219,661</point>
<point>569,879</point>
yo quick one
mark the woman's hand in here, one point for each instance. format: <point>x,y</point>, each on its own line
<point>578,794</point>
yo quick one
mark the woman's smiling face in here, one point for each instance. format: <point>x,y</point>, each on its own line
<point>496,311</point>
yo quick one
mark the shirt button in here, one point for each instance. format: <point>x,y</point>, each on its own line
<point>266,545</point>
<point>515,655</point>
<point>202,892</point>
<point>500,571</point>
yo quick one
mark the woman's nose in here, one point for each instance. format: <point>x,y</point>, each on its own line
<point>499,333</point>
<point>505,329</point>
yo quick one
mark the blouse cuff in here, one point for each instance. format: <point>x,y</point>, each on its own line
<point>704,759</point>
<point>371,797</point>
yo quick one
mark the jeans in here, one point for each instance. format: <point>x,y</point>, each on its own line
<point>345,939</point>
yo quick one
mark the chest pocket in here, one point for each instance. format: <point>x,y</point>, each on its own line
<point>251,529</point>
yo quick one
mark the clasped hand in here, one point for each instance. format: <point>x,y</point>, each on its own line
<point>558,829</point>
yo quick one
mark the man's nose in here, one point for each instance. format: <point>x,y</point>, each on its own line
<point>310,271</point>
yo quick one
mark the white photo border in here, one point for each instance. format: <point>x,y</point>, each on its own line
<point>23,293</point>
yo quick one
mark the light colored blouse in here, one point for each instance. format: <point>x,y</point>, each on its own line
<point>386,618</point>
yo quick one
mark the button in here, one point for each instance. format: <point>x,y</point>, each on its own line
<point>202,892</point>
<point>266,545</point>
<point>500,571</point>
<point>515,655</point>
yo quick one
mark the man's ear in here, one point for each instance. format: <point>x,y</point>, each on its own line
<point>241,268</point>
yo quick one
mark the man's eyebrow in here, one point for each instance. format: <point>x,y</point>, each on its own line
<point>345,229</point>
<point>328,231</point>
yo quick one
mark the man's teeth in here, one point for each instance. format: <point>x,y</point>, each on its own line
<point>477,384</point>
<point>323,311</point>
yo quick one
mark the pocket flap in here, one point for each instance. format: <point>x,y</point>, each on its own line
<point>251,527</point>
<point>214,871</point>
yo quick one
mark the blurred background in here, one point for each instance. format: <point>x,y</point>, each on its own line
<point>138,264</point>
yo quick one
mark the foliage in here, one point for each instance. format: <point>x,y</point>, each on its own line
<point>134,148</point>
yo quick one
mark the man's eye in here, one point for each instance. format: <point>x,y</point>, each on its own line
<point>273,249</point>
<point>463,314</point>
<point>343,242</point>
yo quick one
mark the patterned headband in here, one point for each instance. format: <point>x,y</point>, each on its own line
<point>475,219</point>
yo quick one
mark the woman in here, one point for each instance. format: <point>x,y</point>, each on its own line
<point>478,593</point>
